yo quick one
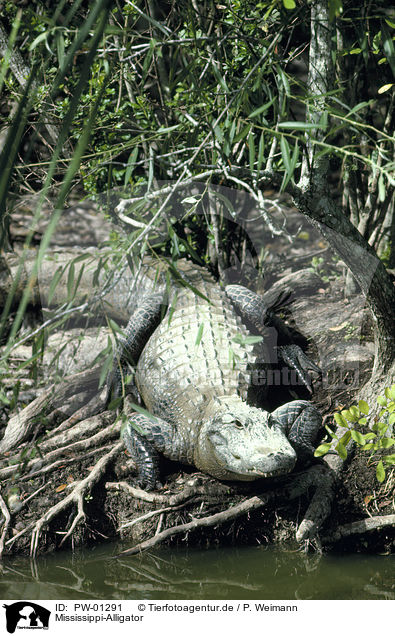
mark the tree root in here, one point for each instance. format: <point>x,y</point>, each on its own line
<point>314,477</point>
<point>22,425</point>
<point>360,527</point>
<point>7,519</point>
<point>60,463</point>
<point>190,492</point>
<point>77,497</point>
<point>212,520</point>
<point>105,434</point>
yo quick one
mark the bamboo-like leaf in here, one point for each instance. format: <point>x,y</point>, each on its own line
<point>251,150</point>
<point>300,125</point>
<point>261,109</point>
<point>243,133</point>
<point>54,282</point>
<point>261,150</point>
<point>199,334</point>
<point>388,46</point>
<point>11,41</point>
<point>285,153</point>
<point>73,165</point>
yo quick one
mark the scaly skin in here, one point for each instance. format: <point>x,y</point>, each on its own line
<point>193,378</point>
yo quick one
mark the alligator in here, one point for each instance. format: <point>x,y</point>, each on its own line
<point>192,346</point>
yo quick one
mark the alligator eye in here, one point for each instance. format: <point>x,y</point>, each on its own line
<point>238,424</point>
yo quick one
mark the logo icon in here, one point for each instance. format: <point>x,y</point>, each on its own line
<point>26,615</point>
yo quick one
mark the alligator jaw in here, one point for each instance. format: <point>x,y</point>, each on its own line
<point>253,473</point>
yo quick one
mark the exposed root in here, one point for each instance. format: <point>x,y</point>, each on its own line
<point>7,519</point>
<point>76,496</point>
<point>190,492</point>
<point>70,430</point>
<point>63,448</point>
<point>220,517</point>
<point>61,463</point>
<point>22,425</point>
<point>299,485</point>
<point>360,527</point>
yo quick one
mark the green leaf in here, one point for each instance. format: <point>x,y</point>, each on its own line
<point>340,420</point>
<point>261,109</point>
<point>167,129</point>
<point>387,442</point>
<point>382,427</point>
<point>322,449</point>
<point>299,125</point>
<point>348,414</point>
<point>251,150</point>
<point>331,433</point>
<point>199,334</point>
<point>384,88</point>
<point>130,165</point>
<point>388,47</point>
<point>246,340</point>
<point>355,412</point>
<point>70,282</point>
<point>261,151</point>
<point>389,459</point>
<point>341,450</point>
<point>289,4</point>
<point>285,152</point>
<point>55,279</point>
<point>243,133</point>
<point>391,419</point>
<point>38,39</point>
<point>363,407</point>
<point>358,438</point>
<point>380,472</point>
<point>345,438</point>
<point>382,400</point>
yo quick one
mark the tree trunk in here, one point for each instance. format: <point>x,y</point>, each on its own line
<point>313,199</point>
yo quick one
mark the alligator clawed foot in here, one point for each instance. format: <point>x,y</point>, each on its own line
<point>295,358</point>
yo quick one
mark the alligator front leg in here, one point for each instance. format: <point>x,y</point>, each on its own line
<point>252,307</point>
<point>141,325</point>
<point>145,437</point>
<point>300,421</point>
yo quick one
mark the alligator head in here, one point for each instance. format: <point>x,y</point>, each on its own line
<point>242,443</point>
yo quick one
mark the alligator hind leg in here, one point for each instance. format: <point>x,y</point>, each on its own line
<point>300,421</point>
<point>145,437</point>
<point>253,308</point>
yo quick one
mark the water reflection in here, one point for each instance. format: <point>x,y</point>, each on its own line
<point>243,573</point>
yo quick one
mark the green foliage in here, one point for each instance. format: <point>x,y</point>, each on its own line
<point>145,94</point>
<point>185,83</point>
<point>379,437</point>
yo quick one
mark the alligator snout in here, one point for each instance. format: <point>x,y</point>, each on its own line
<point>267,462</point>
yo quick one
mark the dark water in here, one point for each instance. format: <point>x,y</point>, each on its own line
<point>243,573</point>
